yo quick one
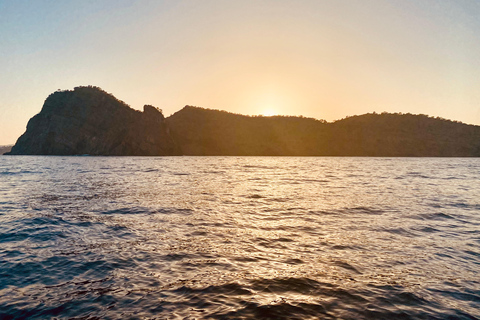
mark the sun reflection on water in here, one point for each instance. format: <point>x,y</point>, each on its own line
<point>245,235</point>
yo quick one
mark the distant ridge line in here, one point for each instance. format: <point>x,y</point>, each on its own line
<point>201,131</point>
<point>325,121</point>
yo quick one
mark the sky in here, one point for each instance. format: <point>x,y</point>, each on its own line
<point>325,59</point>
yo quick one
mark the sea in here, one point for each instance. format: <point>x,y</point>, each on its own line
<point>239,238</point>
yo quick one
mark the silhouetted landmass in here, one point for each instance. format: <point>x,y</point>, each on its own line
<point>5,149</point>
<point>88,120</point>
<point>404,135</point>
<point>211,132</point>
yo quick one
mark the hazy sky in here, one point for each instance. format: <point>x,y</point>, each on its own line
<point>325,59</point>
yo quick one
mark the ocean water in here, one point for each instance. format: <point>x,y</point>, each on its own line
<point>239,238</point>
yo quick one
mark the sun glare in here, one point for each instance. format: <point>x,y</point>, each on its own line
<point>269,99</point>
<point>269,113</point>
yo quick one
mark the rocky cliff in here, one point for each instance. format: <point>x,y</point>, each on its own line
<point>87,120</point>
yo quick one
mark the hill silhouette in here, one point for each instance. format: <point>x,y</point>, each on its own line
<point>87,120</point>
<point>211,132</point>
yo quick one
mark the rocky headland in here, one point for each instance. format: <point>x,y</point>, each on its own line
<point>88,120</point>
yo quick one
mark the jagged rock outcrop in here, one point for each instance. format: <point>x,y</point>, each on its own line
<point>87,120</point>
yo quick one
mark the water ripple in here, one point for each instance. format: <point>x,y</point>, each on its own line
<point>239,238</point>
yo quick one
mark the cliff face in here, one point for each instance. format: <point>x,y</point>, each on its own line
<point>88,120</point>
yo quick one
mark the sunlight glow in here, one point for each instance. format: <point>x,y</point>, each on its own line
<point>269,113</point>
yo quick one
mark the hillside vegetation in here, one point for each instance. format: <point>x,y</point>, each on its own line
<point>201,131</point>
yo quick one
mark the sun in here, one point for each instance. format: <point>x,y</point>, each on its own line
<point>268,100</point>
<point>269,113</point>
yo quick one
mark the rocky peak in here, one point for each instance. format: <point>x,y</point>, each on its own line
<point>150,111</point>
<point>88,120</point>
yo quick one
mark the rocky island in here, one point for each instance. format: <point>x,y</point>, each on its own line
<point>87,120</point>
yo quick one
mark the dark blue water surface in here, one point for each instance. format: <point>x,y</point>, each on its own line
<point>239,238</point>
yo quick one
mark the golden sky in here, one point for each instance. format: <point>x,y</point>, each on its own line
<point>321,59</point>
